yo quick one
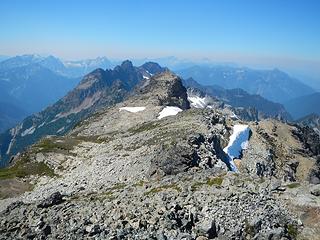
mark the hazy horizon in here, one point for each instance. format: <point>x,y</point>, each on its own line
<point>271,34</point>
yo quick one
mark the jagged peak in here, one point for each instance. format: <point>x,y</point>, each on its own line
<point>127,64</point>
<point>168,89</point>
<point>152,68</point>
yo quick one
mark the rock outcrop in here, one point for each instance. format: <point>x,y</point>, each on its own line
<point>124,173</point>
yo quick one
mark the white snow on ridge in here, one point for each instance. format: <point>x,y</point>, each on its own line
<point>132,109</point>
<point>28,131</point>
<point>233,116</point>
<point>42,124</point>
<point>197,102</point>
<point>149,73</point>
<point>60,130</point>
<point>237,142</point>
<point>169,111</point>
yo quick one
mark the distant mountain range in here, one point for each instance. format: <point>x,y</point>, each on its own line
<point>97,90</point>
<point>273,85</point>
<point>71,69</point>
<point>82,67</point>
<point>29,83</point>
<point>33,86</point>
<point>240,98</point>
<point>304,105</point>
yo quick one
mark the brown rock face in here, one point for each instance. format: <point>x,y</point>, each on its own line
<point>167,89</point>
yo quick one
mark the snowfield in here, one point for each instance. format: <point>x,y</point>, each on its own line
<point>238,141</point>
<point>132,109</point>
<point>197,102</point>
<point>169,111</point>
<point>233,116</point>
<point>28,131</point>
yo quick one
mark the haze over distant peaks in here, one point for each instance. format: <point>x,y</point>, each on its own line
<point>274,85</point>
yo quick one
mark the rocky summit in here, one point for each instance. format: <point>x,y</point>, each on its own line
<point>160,166</point>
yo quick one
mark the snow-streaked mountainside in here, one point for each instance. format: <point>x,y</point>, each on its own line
<point>239,98</point>
<point>197,101</point>
<point>33,82</point>
<point>273,85</point>
<point>304,105</point>
<point>97,90</point>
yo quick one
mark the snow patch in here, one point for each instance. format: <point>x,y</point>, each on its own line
<point>169,111</point>
<point>132,109</point>
<point>149,73</point>
<point>197,102</point>
<point>28,131</point>
<point>14,132</point>
<point>42,124</point>
<point>145,77</point>
<point>238,141</point>
<point>233,116</point>
<point>60,130</point>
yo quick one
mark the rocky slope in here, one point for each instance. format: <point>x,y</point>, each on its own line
<point>139,170</point>
<point>98,89</point>
<point>126,174</point>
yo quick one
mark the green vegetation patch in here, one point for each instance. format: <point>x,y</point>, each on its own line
<point>105,196</point>
<point>292,231</point>
<point>163,188</point>
<point>144,127</point>
<point>196,185</point>
<point>214,181</point>
<point>24,168</point>
<point>117,186</point>
<point>140,183</point>
<point>293,185</point>
<point>249,229</point>
<point>66,144</point>
<point>50,145</point>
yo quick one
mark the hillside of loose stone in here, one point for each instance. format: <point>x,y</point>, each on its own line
<point>97,90</point>
<point>124,173</point>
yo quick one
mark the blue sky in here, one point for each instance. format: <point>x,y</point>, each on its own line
<point>244,31</point>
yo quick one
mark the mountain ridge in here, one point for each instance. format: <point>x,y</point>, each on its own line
<point>99,89</point>
<point>126,172</point>
<point>304,105</point>
<point>273,85</point>
<point>240,98</point>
